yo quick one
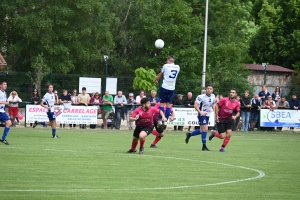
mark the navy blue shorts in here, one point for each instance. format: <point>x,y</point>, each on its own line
<point>51,116</point>
<point>203,120</point>
<point>166,96</point>
<point>4,117</point>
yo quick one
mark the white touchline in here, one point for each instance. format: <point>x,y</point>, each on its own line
<point>260,175</point>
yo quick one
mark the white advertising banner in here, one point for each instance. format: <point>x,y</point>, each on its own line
<point>71,115</point>
<point>188,117</point>
<point>279,118</point>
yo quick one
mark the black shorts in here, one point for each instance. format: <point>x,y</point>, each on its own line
<point>159,130</point>
<point>139,129</point>
<point>224,126</point>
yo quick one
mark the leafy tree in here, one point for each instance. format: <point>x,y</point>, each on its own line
<point>144,79</point>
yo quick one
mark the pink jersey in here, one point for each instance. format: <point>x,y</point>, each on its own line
<point>145,117</point>
<point>155,118</point>
<point>226,109</point>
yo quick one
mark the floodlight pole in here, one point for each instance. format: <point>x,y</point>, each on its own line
<point>265,72</point>
<point>205,46</point>
<point>106,63</point>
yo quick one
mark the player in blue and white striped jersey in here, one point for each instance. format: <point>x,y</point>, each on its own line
<point>48,102</point>
<point>169,72</point>
<point>204,105</point>
<point>3,116</point>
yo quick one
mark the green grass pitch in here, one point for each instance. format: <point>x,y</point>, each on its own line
<point>93,164</point>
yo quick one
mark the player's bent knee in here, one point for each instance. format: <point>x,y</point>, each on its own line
<point>143,135</point>
<point>8,123</point>
<point>162,134</point>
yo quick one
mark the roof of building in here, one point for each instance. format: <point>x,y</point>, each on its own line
<point>2,60</point>
<point>274,68</point>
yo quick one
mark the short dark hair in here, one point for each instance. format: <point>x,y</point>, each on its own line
<point>2,82</point>
<point>49,85</point>
<point>209,86</point>
<point>233,89</point>
<point>83,88</point>
<point>171,58</point>
<point>144,100</point>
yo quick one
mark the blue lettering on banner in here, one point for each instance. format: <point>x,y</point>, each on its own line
<point>280,114</point>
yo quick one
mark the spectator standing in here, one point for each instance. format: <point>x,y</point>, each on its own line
<point>120,101</point>
<point>282,104</point>
<point>139,97</point>
<point>129,109</point>
<point>189,102</point>
<point>256,104</point>
<point>74,100</point>
<point>271,105</point>
<point>64,99</point>
<point>13,107</point>
<point>83,99</point>
<point>263,94</point>
<point>179,101</point>
<point>294,104</point>
<point>107,107</point>
<point>245,102</point>
<point>153,98</point>
<point>56,98</point>
<point>276,94</point>
<point>35,99</point>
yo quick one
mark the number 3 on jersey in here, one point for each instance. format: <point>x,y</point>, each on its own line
<point>174,73</point>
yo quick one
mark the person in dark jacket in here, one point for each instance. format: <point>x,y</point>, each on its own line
<point>256,104</point>
<point>294,104</point>
<point>179,101</point>
<point>245,110</point>
<point>189,102</point>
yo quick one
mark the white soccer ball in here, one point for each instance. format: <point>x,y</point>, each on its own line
<point>159,43</point>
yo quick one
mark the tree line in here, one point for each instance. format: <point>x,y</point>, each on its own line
<point>71,37</point>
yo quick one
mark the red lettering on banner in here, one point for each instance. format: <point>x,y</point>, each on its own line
<point>36,109</point>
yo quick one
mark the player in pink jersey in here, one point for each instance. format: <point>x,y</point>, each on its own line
<point>159,130</point>
<point>223,111</point>
<point>144,126</point>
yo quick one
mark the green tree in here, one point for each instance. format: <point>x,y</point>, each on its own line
<point>144,79</point>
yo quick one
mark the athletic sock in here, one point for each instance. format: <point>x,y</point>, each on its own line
<point>142,142</point>
<point>54,131</point>
<point>203,136</point>
<point>216,134</point>
<point>43,123</point>
<point>168,112</point>
<point>195,132</point>
<point>225,142</point>
<point>162,109</point>
<point>156,140</point>
<point>133,145</point>
<point>5,133</point>
<point>154,132</point>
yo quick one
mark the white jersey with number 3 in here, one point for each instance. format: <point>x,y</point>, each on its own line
<point>170,72</point>
<point>206,102</point>
<point>2,99</point>
<point>49,99</point>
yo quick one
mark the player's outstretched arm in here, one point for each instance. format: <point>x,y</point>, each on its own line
<point>162,116</point>
<point>158,77</point>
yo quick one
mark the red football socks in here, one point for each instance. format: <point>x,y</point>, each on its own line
<point>156,140</point>
<point>216,134</point>
<point>225,142</point>
<point>142,143</point>
<point>154,132</point>
<point>133,145</point>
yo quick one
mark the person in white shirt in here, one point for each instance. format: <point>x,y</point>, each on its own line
<point>204,104</point>
<point>3,116</point>
<point>48,102</point>
<point>169,72</point>
<point>139,97</point>
<point>13,107</point>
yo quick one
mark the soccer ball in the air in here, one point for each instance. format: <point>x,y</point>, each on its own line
<point>159,43</point>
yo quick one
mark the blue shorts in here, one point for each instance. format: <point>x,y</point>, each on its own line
<point>4,117</point>
<point>203,120</point>
<point>51,116</point>
<point>166,96</point>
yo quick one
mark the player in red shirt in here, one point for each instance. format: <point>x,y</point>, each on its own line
<point>223,111</point>
<point>159,130</point>
<point>144,126</point>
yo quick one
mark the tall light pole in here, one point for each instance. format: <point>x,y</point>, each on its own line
<point>265,72</point>
<point>205,46</point>
<point>106,62</point>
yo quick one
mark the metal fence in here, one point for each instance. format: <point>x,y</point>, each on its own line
<point>21,82</point>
